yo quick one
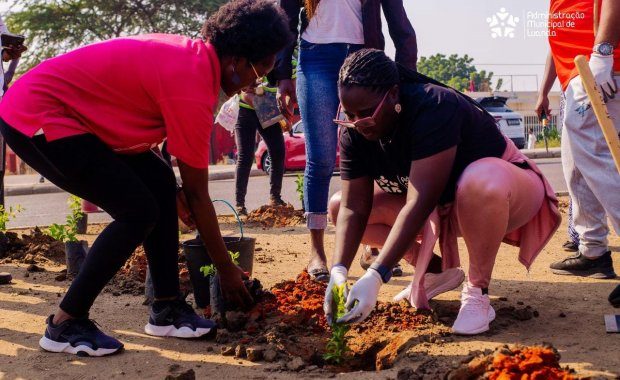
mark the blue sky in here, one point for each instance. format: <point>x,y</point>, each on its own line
<point>460,26</point>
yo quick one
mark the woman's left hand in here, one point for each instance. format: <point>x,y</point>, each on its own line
<point>362,297</point>
<point>183,210</point>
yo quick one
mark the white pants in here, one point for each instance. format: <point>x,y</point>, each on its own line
<point>592,178</point>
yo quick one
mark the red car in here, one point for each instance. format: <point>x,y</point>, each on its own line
<point>295,147</point>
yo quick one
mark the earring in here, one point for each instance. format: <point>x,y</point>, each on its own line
<point>398,108</point>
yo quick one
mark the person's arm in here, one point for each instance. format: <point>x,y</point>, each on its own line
<point>427,180</point>
<point>196,189</point>
<point>542,104</point>
<point>283,71</point>
<point>609,27</point>
<point>355,207</point>
<point>402,33</point>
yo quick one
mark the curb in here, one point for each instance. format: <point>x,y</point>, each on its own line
<point>541,153</point>
<point>50,188</point>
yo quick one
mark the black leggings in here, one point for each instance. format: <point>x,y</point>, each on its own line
<point>245,138</point>
<point>138,191</point>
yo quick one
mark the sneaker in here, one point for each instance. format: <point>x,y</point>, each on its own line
<point>475,313</point>
<point>241,210</point>
<point>178,319</point>
<point>436,283</point>
<point>579,265</point>
<point>397,271</point>
<point>570,246</point>
<point>79,336</point>
<point>614,297</point>
<point>276,201</point>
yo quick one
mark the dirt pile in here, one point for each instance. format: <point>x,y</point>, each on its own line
<point>276,216</point>
<point>515,363</point>
<point>130,279</point>
<point>33,248</point>
<point>289,324</point>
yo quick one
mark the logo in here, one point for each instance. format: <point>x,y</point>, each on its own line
<point>503,24</point>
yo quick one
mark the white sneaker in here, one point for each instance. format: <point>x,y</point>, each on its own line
<point>436,283</point>
<point>475,314</point>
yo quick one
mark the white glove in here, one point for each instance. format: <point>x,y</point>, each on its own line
<point>337,277</point>
<point>362,298</point>
<point>602,67</point>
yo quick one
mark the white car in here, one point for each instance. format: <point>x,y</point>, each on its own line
<point>508,121</point>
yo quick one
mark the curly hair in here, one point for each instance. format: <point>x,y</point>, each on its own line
<point>369,68</point>
<point>252,29</point>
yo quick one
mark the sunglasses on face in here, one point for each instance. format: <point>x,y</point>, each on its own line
<point>363,122</point>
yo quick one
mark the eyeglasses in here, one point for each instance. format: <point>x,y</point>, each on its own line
<point>365,122</point>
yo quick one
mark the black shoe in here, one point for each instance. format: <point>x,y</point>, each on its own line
<point>178,319</point>
<point>79,336</point>
<point>241,210</point>
<point>397,271</point>
<point>579,265</point>
<point>276,201</point>
<point>569,246</point>
<point>614,297</point>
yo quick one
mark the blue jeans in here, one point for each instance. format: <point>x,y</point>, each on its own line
<point>317,94</point>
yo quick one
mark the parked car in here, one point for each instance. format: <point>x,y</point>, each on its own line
<point>508,121</point>
<point>295,146</point>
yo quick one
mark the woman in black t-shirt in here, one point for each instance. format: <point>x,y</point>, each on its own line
<point>427,147</point>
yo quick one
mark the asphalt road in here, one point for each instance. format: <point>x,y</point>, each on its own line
<point>45,209</point>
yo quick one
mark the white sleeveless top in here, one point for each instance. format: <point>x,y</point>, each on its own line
<point>336,21</point>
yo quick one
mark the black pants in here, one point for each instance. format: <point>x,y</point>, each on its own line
<point>245,138</point>
<point>138,191</point>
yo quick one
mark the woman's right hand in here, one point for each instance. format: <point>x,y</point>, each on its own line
<point>542,104</point>
<point>286,98</point>
<point>233,288</point>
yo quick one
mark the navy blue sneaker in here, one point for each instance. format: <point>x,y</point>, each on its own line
<point>178,319</point>
<point>79,336</point>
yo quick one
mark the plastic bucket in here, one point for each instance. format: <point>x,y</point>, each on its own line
<point>197,257</point>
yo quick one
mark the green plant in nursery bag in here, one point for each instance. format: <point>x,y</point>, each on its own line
<point>337,348</point>
<point>300,188</point>
<point>209,270</point>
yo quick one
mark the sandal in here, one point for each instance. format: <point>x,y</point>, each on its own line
<point>320,273</point>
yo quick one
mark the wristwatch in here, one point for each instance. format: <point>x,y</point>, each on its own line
<point>384,272</point>
<point>604,48</point>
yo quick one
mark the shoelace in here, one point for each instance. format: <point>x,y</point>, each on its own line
<point>86,325</point>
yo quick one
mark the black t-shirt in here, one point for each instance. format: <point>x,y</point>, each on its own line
<point>433,119</point>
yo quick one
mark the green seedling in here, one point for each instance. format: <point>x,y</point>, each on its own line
<point>209,270</point>
<point>337,348</point>
<point>7,215</point>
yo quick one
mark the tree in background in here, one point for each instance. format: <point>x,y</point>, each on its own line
<point>457,72</point>
<point>56,26</point>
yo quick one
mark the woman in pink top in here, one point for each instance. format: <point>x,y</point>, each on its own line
<point>89,121</point>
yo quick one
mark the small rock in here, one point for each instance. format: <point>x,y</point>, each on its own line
<point>270,355</point>
<point>62,276</point>
<point>296,364</point>
<point>562,315</point>
<point>520,303</point>
<point>186,375</point>
<point>536,314</point>
<point>503,299</point>
<point>116,294</point>
<point>240,351</point>
<point>407,373</point>
<point>35,268</point>
<point>228,351</point>
<point>209,348</point>
<point>254,354</point>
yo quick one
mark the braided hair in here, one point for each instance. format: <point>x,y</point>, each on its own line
<point>369,68</point>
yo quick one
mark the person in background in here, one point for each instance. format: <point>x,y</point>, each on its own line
<point>543,107</point>
<point>245,138</point>
<point>103,150</point>
<point>12,53</point>
<point>460,177</point>
<point>330,31</point>
<point>587,162</point>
